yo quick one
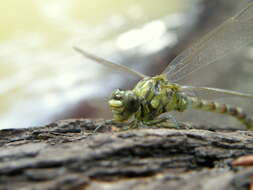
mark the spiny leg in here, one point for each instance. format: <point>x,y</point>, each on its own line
<point>107,122</point>
<point>165,119</point>
<point>110,122</point>
<point>132,125</point>
<point>96,129</point>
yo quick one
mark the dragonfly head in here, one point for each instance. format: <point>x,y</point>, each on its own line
<point>123,104</point>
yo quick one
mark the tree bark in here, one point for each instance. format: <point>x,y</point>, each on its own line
<point>66,155</point>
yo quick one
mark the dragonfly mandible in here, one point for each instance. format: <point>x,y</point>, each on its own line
<point>153,96</point>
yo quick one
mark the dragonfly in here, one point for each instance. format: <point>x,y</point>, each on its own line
<point>154,96</point>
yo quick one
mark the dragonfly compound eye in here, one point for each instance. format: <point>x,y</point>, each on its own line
<point>123,104</point>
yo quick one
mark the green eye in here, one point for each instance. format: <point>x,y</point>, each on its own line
<point>117,97</point>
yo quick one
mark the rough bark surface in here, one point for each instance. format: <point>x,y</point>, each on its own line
<point>66,155</point>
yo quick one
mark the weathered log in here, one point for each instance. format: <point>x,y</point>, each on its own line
<point>66,155</point>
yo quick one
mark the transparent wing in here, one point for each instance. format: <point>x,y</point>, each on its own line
<point>233,34</point>
<point>109,64</point>
<point>214,92</point>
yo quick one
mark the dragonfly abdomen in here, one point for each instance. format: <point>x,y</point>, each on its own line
<point>227,109</point>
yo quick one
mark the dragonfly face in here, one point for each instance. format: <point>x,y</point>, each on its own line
<point>123,104</point>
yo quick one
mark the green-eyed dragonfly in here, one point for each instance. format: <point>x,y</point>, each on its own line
<point>153,96</point>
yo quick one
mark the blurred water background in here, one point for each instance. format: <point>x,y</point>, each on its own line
<point>43,79</point>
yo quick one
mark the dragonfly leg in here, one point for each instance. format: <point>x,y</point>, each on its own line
<point>96,129</point>
<point>107,122</point>
<point>165,119</point>
<point>132,125</point>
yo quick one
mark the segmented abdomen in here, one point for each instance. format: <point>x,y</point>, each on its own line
<point>236,112</point>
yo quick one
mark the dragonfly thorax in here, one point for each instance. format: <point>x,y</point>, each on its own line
<point>150,97</point>
<point>155,95</point>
